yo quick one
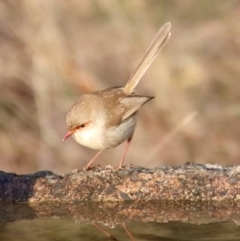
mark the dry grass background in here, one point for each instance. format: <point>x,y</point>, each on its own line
<point>53,51</point>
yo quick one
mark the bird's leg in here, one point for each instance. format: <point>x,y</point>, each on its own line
<point>125,152</point>
<point>91,162</point>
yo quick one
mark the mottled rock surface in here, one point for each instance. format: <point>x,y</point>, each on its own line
<point>191,182</point>
<point>191,193</point>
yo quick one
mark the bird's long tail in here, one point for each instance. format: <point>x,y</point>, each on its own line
<point>158,42</point>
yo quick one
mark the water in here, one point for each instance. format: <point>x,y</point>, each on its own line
<point>56,229</point>
<point>150,221</point>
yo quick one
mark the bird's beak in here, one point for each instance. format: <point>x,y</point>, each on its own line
<point>68,134</point>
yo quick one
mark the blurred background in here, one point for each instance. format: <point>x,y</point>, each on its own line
<point>51,52</point>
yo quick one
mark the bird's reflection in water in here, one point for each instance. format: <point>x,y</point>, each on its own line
<point>110,236</point>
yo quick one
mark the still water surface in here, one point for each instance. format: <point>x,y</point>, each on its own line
<point>61,230</point>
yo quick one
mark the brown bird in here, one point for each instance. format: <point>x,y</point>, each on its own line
<point>106,118</point>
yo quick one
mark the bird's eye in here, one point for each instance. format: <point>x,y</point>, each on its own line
<point>81,126</point>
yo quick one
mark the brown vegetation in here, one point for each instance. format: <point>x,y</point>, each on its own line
<point>52,51</point>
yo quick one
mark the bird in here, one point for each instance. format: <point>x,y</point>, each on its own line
<point>104,119</point>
